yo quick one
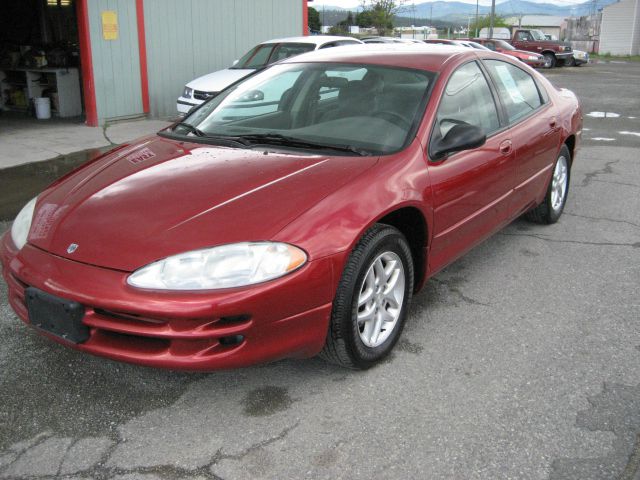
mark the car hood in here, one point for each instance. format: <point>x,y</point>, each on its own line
<point>216,81</point>
<point>159,197</point>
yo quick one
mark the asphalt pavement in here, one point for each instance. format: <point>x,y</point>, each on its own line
<point>519,361</point>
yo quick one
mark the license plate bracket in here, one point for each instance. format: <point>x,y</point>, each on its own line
<point>57,316</point>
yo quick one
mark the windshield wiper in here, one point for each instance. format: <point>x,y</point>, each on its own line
<point>221,139</point>
<point>195,130</point>
<point>286,141</point>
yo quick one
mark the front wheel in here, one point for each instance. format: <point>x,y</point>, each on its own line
<point>549,60</point>
<point>551,208</point>
<point>370,307</point>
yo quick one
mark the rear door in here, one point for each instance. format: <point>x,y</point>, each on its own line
<point>535,130</point>
<point>471,189</point>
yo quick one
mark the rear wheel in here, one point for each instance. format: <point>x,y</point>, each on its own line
<point>549,60</point>
<point>370,306</point>
<point>551,208</point>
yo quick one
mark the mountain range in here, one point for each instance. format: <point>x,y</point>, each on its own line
<point>454,10</point>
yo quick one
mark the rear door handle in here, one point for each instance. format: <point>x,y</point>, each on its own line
<point>506,147</point>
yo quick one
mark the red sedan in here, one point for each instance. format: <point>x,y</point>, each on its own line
<point>294,214</point>
<point>530,58</point>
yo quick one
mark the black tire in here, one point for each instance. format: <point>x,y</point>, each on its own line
<point>572,62</point>
<point>545,213</point>
<point>344,345</point>
<point>550,60</point>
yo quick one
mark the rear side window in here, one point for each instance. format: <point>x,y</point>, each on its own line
<point>517,89</point>
<point>286,50</point>
<point>467,99</point>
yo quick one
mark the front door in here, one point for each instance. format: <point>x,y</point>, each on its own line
<point>471,189</point>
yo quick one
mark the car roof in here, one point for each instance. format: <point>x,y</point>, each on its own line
<point>315,39</point>
<point>389,40</point>
<point>426,57</point>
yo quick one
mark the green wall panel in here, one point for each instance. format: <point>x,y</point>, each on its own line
<point>189,38</point>
<point>116,63</point>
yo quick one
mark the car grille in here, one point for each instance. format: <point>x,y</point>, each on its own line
<point>200,95</point>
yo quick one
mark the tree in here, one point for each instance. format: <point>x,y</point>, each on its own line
<point>342,27</point>
<point>485,22</point>
<point>314,20</point>
<point>379,14</point>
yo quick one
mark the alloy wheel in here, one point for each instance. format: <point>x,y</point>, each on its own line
<point>380,299</point>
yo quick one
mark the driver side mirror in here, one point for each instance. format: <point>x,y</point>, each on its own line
<point>461,136</point>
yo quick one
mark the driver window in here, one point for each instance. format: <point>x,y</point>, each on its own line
<point>467,99</point>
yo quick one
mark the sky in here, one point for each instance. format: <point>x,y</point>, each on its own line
<point>355,3</point>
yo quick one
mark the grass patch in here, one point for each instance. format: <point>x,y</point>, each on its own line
<point>606,56</point>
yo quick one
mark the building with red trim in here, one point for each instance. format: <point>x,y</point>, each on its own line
<point>131,57</point>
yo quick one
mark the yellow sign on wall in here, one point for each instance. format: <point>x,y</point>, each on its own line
<point>110,25</point>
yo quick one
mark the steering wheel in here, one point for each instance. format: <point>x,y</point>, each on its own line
<point>392,117</point>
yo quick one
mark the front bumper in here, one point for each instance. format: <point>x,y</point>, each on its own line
<point>203,331</point>
<point>581,60</point>
<point>563,55</point>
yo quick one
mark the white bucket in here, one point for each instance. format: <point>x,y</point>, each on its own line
<point>43,108</point>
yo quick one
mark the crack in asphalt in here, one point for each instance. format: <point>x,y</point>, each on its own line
<point>633,465</point>
<point>618,183</point>
<point>64,457</point>
<point>607,169</point>
<point>256,446</point>
<point>104,133</point>
<point>615,409</point>
<point>43,437</point>
<point>577,242</point>
<point>461,296</point>
<point>603,219</point>
<point>98,471</point>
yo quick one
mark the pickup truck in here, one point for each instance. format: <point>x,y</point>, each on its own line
<point>532,40</point>
<point>554,52</point>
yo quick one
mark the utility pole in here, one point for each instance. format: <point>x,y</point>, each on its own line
<point>477,18</point>
<point>493,13</point>
<point>431,16</point>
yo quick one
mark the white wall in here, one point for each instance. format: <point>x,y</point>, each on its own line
<point>620,28</point>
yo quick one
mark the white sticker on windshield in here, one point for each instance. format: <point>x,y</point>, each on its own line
<point>509,84</point>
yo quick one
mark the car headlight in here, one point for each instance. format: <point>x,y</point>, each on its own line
<point>22,224</point>
<point>187,92</point>
<point>226,266</point>
<point>531,57</point>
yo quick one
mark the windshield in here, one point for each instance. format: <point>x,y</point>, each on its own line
<point>265,54</point>
<point>504,45</point>
<point>363,109</point>
<point>538,35</point>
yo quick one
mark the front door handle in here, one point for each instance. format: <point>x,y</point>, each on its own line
<point>506,147</point>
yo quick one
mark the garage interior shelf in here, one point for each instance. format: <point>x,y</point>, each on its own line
<point>62,85</point>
